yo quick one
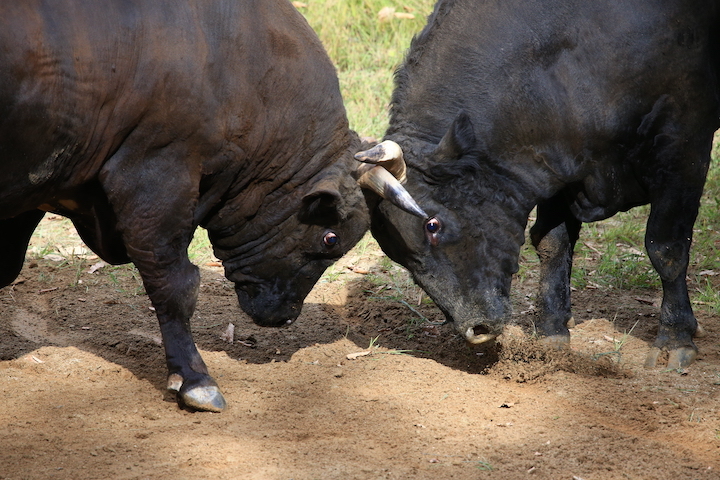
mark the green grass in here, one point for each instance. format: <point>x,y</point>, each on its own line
<point>374,347</point>
<point>200,250</point>
<point>484,466</point>
<point>610,253</point>
<point>618,344</point>
<point>705,294</point>
<point>366,51</point>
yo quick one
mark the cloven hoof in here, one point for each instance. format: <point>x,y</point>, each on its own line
<point>677,358</point>
<point>208,399</point>
<point>558,342</point>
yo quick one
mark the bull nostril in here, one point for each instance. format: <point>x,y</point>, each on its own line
<point>479,334</point>
<point>480,330</point>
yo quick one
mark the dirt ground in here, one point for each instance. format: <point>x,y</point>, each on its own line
<point>363,386</point>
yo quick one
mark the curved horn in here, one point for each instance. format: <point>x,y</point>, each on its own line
<point>382,182</point>
<point>389,154</point>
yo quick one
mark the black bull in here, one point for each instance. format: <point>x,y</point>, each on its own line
<point>580,108</point>
<point>140,120</point>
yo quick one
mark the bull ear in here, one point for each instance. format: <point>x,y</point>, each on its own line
<point>321,206</point>
<point>459,140</point>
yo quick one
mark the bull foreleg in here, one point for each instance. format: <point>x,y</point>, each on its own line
<point>14,239</point>
<point>554,235</point>
<point>173,291</point>
<point>154,210</point>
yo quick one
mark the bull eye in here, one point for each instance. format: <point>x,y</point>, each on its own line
<point>432,229</point>
<point>432,226</point>
<point>330,239</point>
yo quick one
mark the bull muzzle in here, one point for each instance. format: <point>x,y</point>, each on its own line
<point>478,332</point>
<point>268,309</point>
<point>383,172</point>
<point>479,335</point>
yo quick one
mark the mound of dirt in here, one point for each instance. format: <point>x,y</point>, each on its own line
<point>525,359</point>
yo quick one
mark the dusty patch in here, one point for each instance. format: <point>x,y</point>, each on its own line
<point>82,388</point>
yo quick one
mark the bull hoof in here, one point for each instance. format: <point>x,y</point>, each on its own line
<point>207,399</point>
<point>174,383</point>
<point>571,323</point>
<point>558,342</point>
<point>681,358</point>
<point>677,358</point>
<point>652,357</point>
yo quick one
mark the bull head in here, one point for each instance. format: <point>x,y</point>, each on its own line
<point>383,172</point>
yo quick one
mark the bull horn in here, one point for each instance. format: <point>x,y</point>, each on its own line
<point>382,182</point>
<point>387,180</point>
<point>389,154</point>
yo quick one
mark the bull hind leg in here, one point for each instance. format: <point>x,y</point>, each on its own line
<point>675,185</point>
<point>554,235</point>
<point>155,215</point>
<point>14,240</point>
<point>667,241</point>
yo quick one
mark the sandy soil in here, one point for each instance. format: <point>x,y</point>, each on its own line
<point>363,386</point>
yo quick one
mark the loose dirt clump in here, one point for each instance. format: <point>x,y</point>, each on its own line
<point>525,359</point>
